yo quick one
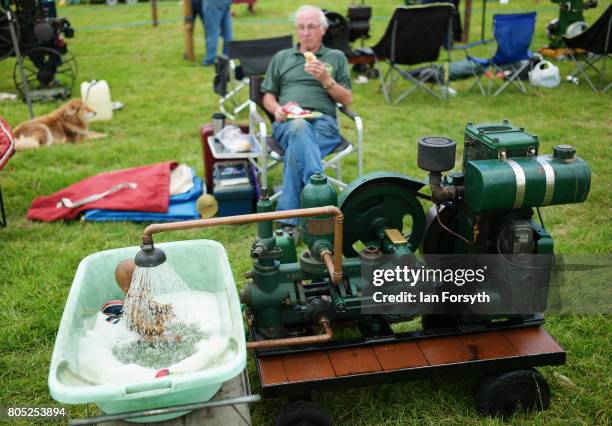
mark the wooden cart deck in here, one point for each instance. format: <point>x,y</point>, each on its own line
<point>421,357</point>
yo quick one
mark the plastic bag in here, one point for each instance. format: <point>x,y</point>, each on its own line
<point>232,138</point>
<point>545,74</point>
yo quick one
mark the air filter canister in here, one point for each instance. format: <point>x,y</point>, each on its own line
<point>436,153</point>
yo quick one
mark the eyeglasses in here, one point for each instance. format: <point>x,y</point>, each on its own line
<point>309,27</point>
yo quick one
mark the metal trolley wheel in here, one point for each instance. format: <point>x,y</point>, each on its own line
<point>46,68</point>
<point>304,413</point>
<point>514,391</point>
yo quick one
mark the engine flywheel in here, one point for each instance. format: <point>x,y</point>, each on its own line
<point>377,201</point>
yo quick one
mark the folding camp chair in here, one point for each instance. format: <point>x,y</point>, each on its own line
<point>513,34</point>
<point>272,152</point>
<point>596,41</point>
<point>414,36</point>
<point>456,33</point>
<point>246,58</point>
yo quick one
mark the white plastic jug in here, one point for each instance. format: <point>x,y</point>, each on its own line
<point>96,94</point>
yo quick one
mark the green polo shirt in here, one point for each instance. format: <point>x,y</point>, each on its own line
<point>287,80</point>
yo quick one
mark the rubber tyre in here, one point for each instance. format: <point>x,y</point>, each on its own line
<point>504,394</point>
<point>304,413</point>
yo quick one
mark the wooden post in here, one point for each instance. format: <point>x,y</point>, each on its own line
<point>188,30</point>
<point>154,13</point>
<point>467,14</point>
<point>484,18</point>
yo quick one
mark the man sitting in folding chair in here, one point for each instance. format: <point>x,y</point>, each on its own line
<point>314,78</point>
<point>597,41</point>
<point>513,33</point>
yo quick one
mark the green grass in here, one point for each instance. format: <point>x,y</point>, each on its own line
<point>167,99</point>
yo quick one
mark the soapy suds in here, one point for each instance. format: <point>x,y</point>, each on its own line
<point>162,353</point>
<point>197,312</point>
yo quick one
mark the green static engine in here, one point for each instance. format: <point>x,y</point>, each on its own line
<point>570,22</point>
<point>486,208</point>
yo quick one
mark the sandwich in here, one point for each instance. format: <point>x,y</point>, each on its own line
<point>309,56</point>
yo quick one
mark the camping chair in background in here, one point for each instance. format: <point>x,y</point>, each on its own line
<point>343,32</point>
<point>596,41</point>
<point>246,58</point>
<point>456,34</point>
<point>272,153</point>
<point>337,34</point>
<point>513,34</point>
<point>414,36</point>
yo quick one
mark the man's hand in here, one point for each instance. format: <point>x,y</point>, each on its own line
<point>318,70</point>
<point>279,114</point>
<point>272,106</point>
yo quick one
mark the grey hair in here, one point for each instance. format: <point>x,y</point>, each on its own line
<point>306,7</point>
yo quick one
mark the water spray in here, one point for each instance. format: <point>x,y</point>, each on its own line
<point>149,256</point>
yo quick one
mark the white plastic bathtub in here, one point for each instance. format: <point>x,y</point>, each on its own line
<point>203,266</point>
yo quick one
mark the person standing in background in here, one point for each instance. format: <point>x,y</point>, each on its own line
<point>217,22</point>
<point>196,10</point>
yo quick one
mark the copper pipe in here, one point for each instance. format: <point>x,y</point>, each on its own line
<point>338,238</point>
<point>327,259</point>
<point>296,341</point>
<point>335,273</point>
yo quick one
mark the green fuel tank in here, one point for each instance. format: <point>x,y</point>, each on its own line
<point>523,182</point>
<point>318,231</point>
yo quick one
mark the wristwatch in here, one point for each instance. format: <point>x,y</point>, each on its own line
<point>330,85</point>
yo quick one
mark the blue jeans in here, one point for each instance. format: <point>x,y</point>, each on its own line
<point>306,143</point>
<point>217,22</point>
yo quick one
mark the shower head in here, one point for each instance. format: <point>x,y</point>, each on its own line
<point>149,256</point>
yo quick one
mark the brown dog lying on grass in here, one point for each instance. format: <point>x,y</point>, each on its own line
<point>67,124</point>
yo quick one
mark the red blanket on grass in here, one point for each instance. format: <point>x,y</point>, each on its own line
<point>7,143</point>
<point>151,194</point>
